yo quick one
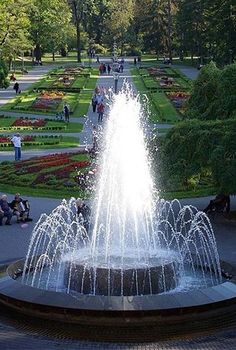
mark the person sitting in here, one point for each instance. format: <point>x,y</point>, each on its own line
<point>219,204</point>
<point>84,213</point>
<point>5,210</point>
<point>12,77</point>
<point>20,208</point>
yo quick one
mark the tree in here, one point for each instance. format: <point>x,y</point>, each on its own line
<point>14,35</point>
<point>45,19</point>
<point>119,20</point>
<point>193,148</point>
<point>202,103</point>
<point>4,82</point>
<point>82,11</point>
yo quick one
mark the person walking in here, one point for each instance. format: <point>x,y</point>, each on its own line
<point>109,69</point>
<point>67,112</point>
<point>16,140</point>
<point>16,87</point>
<point>94,103</point>
<point>100,110</point>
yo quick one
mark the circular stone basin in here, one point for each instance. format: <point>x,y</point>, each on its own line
<point>157,277</point>
<point>123,318</point>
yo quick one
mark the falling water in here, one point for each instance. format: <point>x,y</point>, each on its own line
<point>131,228</point>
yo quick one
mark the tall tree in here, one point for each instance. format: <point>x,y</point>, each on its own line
<point>82,11</point>
<point>44,20</point>
<point>14,19</point>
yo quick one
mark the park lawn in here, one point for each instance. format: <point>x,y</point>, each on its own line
<point>86,94</point>
<point>139,84</point>
<point>84,103</point>
<point>42,142</point>
<point>166,110</point>
<point>196,193</point>
<point>40,192</point>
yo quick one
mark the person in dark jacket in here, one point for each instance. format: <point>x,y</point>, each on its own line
<point>16,87</point>
<point>219,204</point>
<point>84,213</point>
<point>20,208</point>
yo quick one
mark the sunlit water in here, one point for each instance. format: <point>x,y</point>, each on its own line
<point>130,226</point>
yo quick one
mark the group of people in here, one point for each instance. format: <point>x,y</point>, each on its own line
<point>17,207</point>
<point>98,103</point>
<point>103,68</point>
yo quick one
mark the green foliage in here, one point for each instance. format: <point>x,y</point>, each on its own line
<point>193,148</point>
<point>205,93</point>
<point>4,82</point>
<point>214,93</point>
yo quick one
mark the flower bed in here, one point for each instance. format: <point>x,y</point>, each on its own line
<point>179,98</point>
<point>56,175</point>
<point>34,123</point>
<point>48,100</point>
<point>64,81</point>
<point>156,72</point>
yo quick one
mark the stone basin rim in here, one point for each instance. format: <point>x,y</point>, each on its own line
<point>13,293</point>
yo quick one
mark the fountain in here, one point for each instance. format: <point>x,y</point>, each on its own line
<point>141,254</point>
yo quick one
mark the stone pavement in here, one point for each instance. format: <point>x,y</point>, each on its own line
<point>190,72</point>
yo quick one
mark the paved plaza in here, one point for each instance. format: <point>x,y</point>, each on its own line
<point>22,334</point>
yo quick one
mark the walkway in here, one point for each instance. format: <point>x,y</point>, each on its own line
<point>190,72</point>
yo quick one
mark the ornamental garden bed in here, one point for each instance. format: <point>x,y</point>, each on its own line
<point>39,142</point>
<point>49,102</point>
<point>160,107</point>
<point>179,100</point>
<point>74,85</point>
<point>164,78</point>
<point>71,79</point>
<point>13,124</point>
<point>70,174</point>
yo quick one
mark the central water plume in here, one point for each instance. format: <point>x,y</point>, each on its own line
<point>123,223</point>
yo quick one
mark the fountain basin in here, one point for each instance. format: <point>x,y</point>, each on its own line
<point>126,318</point>
<point>158,277</point>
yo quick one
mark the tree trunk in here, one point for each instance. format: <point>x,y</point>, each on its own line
<point>78,42</point>
<point>10,64</point>
<point>192,57</point>
<point>169,32</point>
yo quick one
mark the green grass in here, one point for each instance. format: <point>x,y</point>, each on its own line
<point>165,109</point>
<point>40,192</point>
<point>200,192</point>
